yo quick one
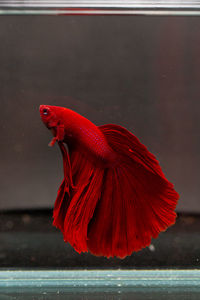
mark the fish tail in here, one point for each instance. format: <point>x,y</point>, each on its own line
<point>137,201</point>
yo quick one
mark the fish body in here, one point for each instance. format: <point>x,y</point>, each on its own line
<point>114,196</point>
<point>79,132</point>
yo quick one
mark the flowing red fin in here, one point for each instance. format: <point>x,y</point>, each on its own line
<point>128,146</point>
<point>88,180</point>
<point>59,132</point>
<point>115,210</point>
<point>65,189</point>
<point>137,201</point>
<point>77,197</point>
<point>60,207</point>
<point>66,166</point>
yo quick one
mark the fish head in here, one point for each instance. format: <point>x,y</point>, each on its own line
<point>49,115</point>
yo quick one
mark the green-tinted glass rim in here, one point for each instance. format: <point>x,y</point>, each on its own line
<point>100,278</point>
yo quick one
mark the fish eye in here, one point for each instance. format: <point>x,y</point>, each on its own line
<point>45,111</point>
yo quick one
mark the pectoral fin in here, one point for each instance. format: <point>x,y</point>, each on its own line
<point>59,133</point>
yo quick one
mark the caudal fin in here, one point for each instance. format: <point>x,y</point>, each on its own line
<point>137,201</point>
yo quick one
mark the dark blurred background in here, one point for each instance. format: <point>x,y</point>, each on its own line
<point>140,72</point>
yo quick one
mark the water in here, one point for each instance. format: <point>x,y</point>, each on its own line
<point>130,63</point>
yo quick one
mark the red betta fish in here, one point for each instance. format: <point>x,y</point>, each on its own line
<point>114,196</point>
